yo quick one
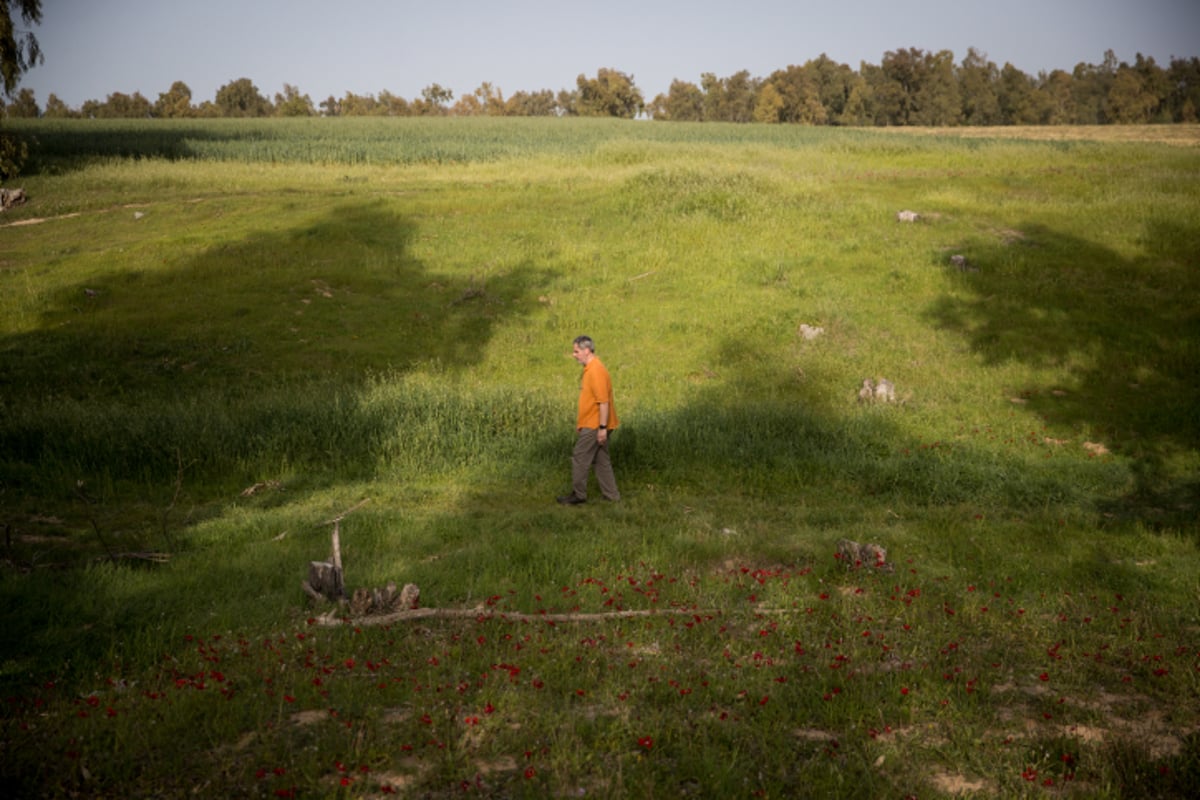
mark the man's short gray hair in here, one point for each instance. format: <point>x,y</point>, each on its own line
<point>585,343</point>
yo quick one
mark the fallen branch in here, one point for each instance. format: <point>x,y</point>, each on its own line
<point>157,558</point>
<point>332,619</point>
<point>347,512</point>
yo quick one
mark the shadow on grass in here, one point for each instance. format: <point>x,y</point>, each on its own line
<point>784,466</point>
<point>249,354</point>
<point>1125,331</point>
<point>328,298</point>
<point>756,431</point>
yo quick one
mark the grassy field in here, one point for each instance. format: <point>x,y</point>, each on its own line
<point>217,337</point>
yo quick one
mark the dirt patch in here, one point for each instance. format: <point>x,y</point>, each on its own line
<point>958,785</point>
<point>814,735</point>
<point>1127,719</point>
<point>39,220</point>
<point>304,718</point>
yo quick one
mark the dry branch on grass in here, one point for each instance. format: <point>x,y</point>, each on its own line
<point>407,614</point>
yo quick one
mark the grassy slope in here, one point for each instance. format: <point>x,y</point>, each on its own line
<point>401,333</point>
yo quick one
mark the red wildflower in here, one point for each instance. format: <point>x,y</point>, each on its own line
<point>646,742</point>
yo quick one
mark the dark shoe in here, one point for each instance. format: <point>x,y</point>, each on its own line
<point>571,500</point>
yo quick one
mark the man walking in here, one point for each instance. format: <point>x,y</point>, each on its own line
<point>594,423</point>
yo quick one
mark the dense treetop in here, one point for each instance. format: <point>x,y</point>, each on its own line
<point>908,87</point>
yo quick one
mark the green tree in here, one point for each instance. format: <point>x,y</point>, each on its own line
<point>834,83</point>
<point>894,83</point>
<point>174,103</point>
<point>433,101</point>
<point>1020,102</point>
<point>1130,100</point>
<point>1156,82</point>
<point>331,106</point>
<point>291,103</point>
<point>394,105</point>
<point>358,105</point>
<point>57,109</point>
<point>19,50</point>
<point>802,91</point>
<point>241,98</point>
<point>486,100</point>
<point>491,99</point>
<point>977,79</point>
<point>937,100</point>
<point>1183,94</point>
<point>1089,90</point>
<point>568,101</point>
<point>1056,92</point>
<point>683,102</point>
<point>610,94</point>
<point>798,92</point>
<point>24,106</point>
<point>768,106</point>
<point>860,102</point>
<point>123,106</point>
<point>912,87</point>
<point>468,105</point>
<point>729,99</point>
<point>532,104</point>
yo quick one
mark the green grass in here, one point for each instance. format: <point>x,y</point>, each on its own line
<point>334,312</point>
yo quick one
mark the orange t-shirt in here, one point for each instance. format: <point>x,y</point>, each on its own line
<point>594,389</point>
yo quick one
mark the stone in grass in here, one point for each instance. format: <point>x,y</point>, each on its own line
<point>907,216</point>
<point>960,261</point>
<point>880,391</point>
<point>810,332</point>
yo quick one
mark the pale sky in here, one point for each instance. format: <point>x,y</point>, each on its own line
<point>329,47</point>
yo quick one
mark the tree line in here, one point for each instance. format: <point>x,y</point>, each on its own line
<point>908,87</point>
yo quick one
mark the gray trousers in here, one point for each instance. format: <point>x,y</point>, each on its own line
<point>589,454</point>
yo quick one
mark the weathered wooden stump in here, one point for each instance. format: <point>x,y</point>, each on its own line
<point>327,582</point>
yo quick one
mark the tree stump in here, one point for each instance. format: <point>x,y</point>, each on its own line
<point>325,581</point>
<point>325,578</point>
